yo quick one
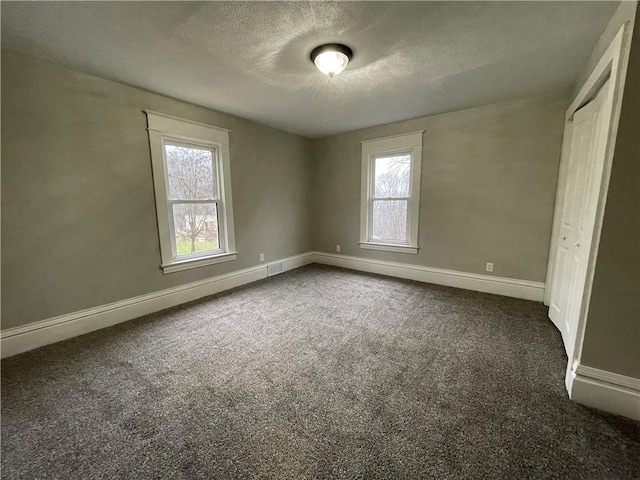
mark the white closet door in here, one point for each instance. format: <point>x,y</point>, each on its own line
<point>578,213</point>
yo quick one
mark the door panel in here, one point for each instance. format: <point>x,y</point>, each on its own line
<point>570,204</point>
<point>582,247</point>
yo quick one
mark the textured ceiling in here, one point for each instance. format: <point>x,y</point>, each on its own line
<point>252,58</point>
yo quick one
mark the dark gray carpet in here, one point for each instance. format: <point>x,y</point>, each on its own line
<point>317,373</point>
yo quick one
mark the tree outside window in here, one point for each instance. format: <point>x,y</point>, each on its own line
<point>192,191</point>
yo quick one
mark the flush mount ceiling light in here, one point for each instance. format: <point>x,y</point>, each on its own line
<point>331,58</point>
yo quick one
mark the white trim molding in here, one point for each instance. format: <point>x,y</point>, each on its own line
<point>389,247</point>
<point>166,130</point>
<point>199,262</point>
<point>588,386</point>
<point>508,287</point>
<point>38,334</point>
<point>407,144</point>
<point>611,392</point>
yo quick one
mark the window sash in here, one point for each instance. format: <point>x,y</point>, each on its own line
<point>372,197</point>
<point>372,238</point>
<point>217,201</point>
<point>372,168</point>
<point>195,146</point>
<point>206,253</point>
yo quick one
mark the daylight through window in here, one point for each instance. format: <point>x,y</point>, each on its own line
<point>390,198</point>
<point>192,176</point>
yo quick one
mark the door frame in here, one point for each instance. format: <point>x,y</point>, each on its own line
<point>612,65</point>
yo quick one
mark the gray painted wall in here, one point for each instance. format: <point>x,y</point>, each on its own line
<point>612,335</point>
<point>78,212</point>
<point>488,188</point>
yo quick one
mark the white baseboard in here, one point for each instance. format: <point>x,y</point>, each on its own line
<point>588,386</point>
<point>34,335</point>
<point>508,287</point>
<point>38,334</point>
<point>606,391</point>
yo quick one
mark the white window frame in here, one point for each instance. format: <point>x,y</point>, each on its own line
<point>407,143</point>
<point>167,129</point>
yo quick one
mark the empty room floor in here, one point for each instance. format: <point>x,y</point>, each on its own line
<point>316,373</point>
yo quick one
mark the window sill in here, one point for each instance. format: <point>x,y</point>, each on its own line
<point>180,265</point>
<point>389,247</point>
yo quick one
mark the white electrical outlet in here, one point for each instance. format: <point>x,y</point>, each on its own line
<point>489,267</point>
<point>338,248</point>
<point>262,257</point>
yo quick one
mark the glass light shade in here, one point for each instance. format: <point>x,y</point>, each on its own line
<point>331,63</point>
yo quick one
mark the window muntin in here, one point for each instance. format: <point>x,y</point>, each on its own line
<point>390,193</point>
<point>192,187</point>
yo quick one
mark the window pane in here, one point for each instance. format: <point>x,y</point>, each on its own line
<point>390,220</point>
<point>392,176</point>
<point>190,171</point>
<point>196,227</point>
